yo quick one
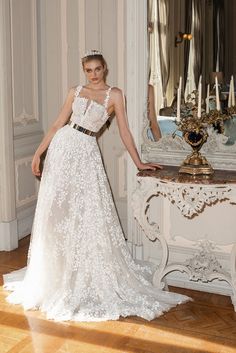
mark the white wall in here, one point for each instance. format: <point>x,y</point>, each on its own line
<point>21,124</point>
<point>41,45</point>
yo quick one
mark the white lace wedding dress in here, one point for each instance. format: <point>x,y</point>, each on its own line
<point>79,266</point>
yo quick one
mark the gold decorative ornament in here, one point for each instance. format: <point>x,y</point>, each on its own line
<point>194,129</point>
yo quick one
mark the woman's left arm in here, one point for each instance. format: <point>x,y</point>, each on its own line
<point>118,103</point>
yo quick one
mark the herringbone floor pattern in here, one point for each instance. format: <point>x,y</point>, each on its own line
<point>206,325</point>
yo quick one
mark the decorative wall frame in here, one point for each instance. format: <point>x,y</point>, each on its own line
<point>24,66</point>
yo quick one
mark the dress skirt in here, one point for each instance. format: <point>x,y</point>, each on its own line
<point>79,266</point>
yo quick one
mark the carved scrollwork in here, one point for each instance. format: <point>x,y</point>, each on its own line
<point>203,266</point>
<point>190,199</point>
<point>215,143</point>
<point>172,151</point>
<point>140,205</point>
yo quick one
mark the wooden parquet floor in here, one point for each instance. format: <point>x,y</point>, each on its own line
<point>206,325</point>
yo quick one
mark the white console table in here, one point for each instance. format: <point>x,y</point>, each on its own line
<point>191,195</point>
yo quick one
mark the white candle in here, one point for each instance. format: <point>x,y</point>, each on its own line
<point>233,94</point>
<point>217,94</point>
<point>199,110</point>
<point>178,104</point>
<point>230,93</point>
<point>179,99</point>
<point>207,100</point>
<point>180,84</point>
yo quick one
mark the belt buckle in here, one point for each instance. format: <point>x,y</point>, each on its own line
<point>82,129</point>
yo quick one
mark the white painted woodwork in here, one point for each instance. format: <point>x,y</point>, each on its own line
<point>20,121</point>
<point>181,219</point>
<point>25,103</point>
<point>136,76</point>
<point>8,232</point>
<point>24,63</point>
<point>42,42</point>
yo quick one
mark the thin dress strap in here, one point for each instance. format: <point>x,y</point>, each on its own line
<point>77,91</point>
<point>107,97</point>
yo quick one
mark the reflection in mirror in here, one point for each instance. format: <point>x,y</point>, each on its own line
<point>153,132</point>
<point>230,131</point>
<point>206,50</point>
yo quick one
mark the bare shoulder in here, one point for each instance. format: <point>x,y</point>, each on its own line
<point>72,90</point>
<point>117,94</point>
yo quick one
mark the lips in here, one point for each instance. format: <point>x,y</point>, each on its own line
<point>94,79</point>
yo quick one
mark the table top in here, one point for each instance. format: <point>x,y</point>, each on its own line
<point>171,173</point>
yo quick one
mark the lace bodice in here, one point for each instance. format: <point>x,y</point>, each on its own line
<point>88,113</point>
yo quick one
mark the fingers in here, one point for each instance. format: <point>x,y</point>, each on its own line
<point>151,166</point>
<point>154,166</point>
<point>36,172</point>
<point>158,166</point>
<point>35,169</point>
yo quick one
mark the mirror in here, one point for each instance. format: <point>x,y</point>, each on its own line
<point>188,38</point>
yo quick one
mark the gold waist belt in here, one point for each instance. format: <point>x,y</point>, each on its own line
<point>81,129</point>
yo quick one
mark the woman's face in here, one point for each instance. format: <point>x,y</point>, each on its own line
<point>94,71</point>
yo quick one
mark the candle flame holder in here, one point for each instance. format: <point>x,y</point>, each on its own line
<point>195,133</point>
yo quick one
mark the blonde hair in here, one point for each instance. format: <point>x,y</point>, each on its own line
<point>98,57</point>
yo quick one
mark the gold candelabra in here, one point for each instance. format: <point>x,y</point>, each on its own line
<point>194,129</point>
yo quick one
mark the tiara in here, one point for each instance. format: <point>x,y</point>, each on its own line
<point>91,52</point>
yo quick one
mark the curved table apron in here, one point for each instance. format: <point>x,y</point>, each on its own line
<point>190,195</point>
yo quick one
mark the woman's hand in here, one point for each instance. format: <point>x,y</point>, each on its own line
<point>35,165</point>
<point>149,166</point>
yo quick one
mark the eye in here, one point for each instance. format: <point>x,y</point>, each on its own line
<point>88,70</point>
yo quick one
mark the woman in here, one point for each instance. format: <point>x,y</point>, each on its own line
<point>79,266</point>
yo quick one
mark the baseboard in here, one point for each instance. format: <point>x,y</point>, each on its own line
<point>25,219</point>
<point>8,236</point>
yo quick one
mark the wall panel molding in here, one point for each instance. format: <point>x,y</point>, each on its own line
<point>64,48</point>
<point>7,196</point>
<point>136,76</point>
<point>82,38</point>
<point>24,62</point>
<point>8,229</point>
<point>26,184</point>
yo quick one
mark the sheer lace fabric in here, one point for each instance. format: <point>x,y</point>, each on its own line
<point>89,113</point>
<point>79,266</point>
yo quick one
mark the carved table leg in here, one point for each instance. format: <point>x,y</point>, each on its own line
<point>203,266</point>
<point>140,204</point>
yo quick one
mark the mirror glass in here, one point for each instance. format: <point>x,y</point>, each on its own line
<point>188,38</point>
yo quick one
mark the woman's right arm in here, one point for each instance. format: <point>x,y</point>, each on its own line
<point>58,123</point>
